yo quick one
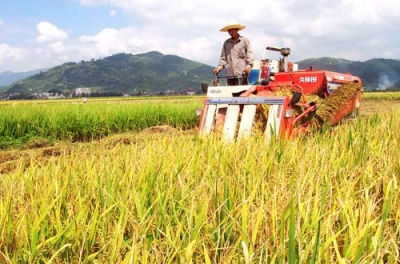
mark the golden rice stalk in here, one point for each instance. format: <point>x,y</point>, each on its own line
<point>261,118</point>
<point>326,110</point>
<point>329,107</point>
<point>262,110</point>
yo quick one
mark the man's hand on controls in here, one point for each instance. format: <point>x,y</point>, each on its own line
<point>247,69</point>
<point>217,70</point>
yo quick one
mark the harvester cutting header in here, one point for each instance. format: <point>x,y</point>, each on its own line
<point>279,100</point>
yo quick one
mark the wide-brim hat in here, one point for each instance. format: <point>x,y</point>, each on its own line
<point>232,24</point>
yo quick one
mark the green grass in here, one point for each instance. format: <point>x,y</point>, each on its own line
<point>391,96</point>
<point>69,121</point>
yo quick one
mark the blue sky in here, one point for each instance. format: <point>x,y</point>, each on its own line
<point>22,17</point>
<point>39,34</point>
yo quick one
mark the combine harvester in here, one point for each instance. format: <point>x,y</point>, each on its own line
<point>280,100</point>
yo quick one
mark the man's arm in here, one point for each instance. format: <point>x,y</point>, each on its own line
<point>249,53</point>
<point>249,56</point>
<point>222,61</point>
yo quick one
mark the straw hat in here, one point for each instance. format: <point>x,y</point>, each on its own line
<point>232,24</point>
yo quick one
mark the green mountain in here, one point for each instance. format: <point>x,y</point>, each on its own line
<point>8,77</point>
<point>120,73</point>
<point>158,73</point>
<point>375,73</point>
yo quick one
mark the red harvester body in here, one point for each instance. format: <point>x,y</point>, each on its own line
<point>297,101</point>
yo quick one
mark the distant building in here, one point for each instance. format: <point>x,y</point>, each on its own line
<point>190,91</point>
<point>83,91</point>
<point>44,95</point>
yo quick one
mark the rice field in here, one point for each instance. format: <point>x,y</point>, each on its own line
<point>134,194</point>
<point>73,121</point>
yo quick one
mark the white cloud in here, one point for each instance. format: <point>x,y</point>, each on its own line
<point>351,29</point>
<point>93,2</point>
<point>378,41</point>
<point>372,12</point>
<point>1,22</point>
<point>10,54</point>
<point>309,26</point>
<point>58,47</point>
<point>196,49</point>
<point>49,33</point>
<point>109,41</point>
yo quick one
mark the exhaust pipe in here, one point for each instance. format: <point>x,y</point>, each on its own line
<point>285,53</point>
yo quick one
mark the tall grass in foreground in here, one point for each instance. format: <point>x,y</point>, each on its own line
<point>330,198</point>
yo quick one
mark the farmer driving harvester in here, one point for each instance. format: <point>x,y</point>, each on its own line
<point>236,55</point>
<point>273,97</point>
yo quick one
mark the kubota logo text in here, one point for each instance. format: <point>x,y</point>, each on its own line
<point>308,79</point>
<point>215,91</point>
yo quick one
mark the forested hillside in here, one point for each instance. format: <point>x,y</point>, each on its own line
<point>375,74</point>
<point>158,73</point>
<point>123,73</point>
